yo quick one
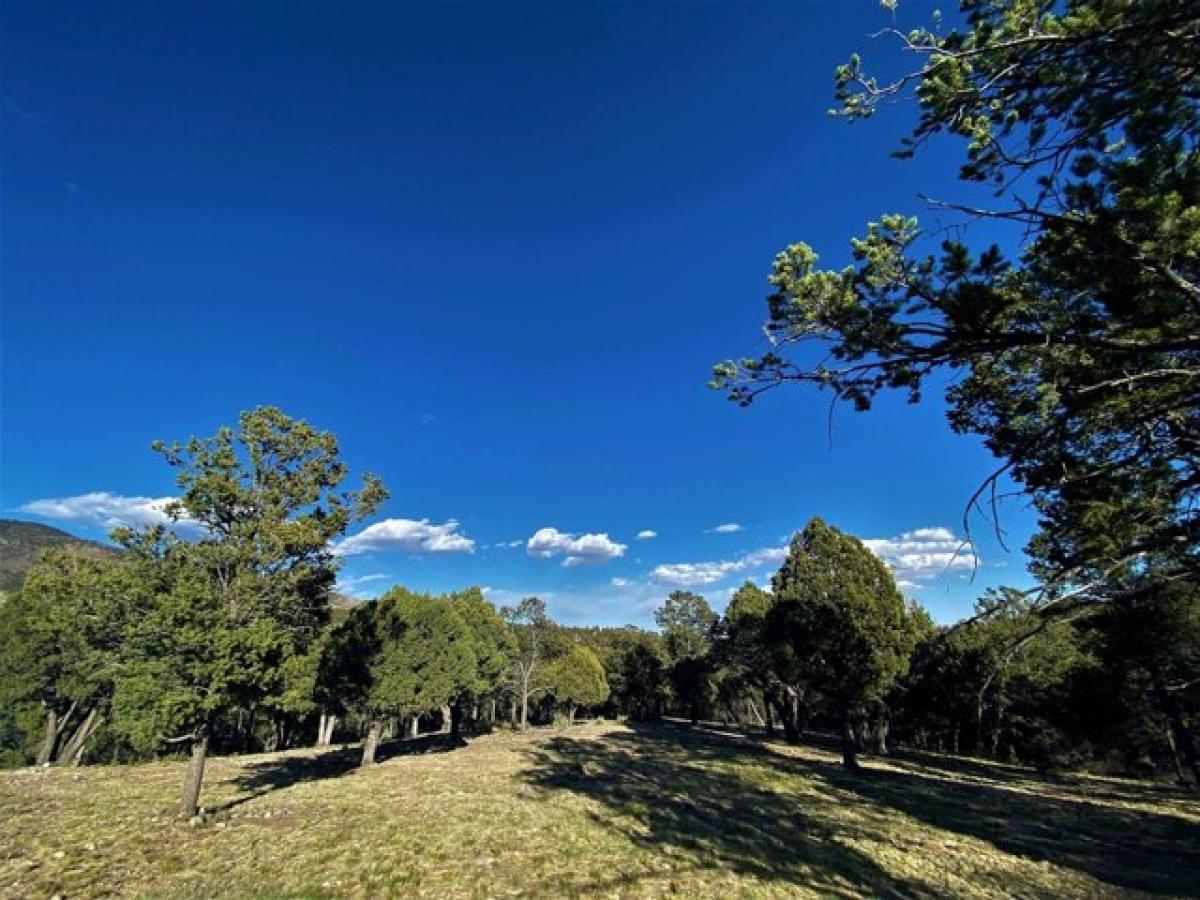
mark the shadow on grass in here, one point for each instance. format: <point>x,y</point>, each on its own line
<point>262,778</point>
<point>690,794</point>
<point>702,816</point>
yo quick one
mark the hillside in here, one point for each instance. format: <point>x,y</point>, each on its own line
<point>22,542</point>
<point>595,810</point>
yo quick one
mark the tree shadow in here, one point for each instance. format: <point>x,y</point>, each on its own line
<point>694,796</point>
<point>1155,852</point>
<point>1118,790</point>
<point>662,789</point>
<point>261,778</point>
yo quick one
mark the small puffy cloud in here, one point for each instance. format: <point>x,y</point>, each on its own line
<point>923,553</point>
<point>101,509</point>
<point>699,574</point>
<point>620,582</point>
<point>575,549</point>
<point>646,534</point>
<point>413,536</point>
<point>727,528</point>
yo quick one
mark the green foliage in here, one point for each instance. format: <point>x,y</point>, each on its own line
<point>687,622</point>
<point>492,640</point>
<point>22,544</point>
<point>838,625</point>
<point>232,606</point>
<point>61,639</point>
<point>577,679</point>
<point>424,658</point>
<point>1078,358</point>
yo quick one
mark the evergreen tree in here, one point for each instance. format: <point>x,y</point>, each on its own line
<point>687,623</point>
<point>251,590</point>
<point>577,679</point>
<point>839,625</point>
<point>494,646</point>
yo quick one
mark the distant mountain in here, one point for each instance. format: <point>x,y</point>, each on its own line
<point>21,543</point>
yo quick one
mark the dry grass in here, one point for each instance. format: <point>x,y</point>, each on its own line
<point>597,810</point>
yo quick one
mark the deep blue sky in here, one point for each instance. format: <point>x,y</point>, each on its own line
<point>495,248</point>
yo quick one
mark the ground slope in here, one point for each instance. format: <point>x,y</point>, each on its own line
<point>599,810</point>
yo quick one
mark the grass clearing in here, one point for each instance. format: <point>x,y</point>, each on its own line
<point>596,810</point>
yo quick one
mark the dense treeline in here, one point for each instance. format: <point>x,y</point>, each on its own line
<point>230,642</point>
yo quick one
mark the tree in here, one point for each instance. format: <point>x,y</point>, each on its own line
<point>687,623</point>
<point>742,650</point>
<point>534,634</point>
<point>839,625</point>
<point>60,642</point>
<point>577,679</point>
<point>251,590</point>
<point>492,641</point>
<point>1078,359</point>
<point>422,659</point>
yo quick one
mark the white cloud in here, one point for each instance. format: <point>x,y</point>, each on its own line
<point>646,534</point>
<point>703,573</point>
<point>727,528</point>
<point>413,536</point>
<point>353,586</point>
<point>620,582</point>
<point>923,553</point>
<point>576,550</point>
<point>101,509</point>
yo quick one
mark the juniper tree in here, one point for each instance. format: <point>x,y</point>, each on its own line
<point>421,658</point>
<point>838,627</point>
<point>577,679</point>
<point>687,623</point>
<point>60,642</point>
<point>250,590</point>
<point>493,643</point>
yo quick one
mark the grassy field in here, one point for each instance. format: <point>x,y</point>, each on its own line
<point>600,810</point>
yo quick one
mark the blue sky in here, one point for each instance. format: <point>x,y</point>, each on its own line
<point>496,249</point>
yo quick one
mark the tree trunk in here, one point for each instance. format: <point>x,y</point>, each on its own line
<point>787,717</point>
<point>371,744</point>
<point>325,730</point>
<point>492,711</point>
<point>880,735</point>
<point>1185,745</point>
<point>849,745</point>
<point>46,753</point>
<point>72,751</point>
<point>189,803</point>
<point>767,714</point>
<point>414,726</point>
<point>447,725</point>
<point>456,718</point>
<point>524,708</point>
<point>571,714</point>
